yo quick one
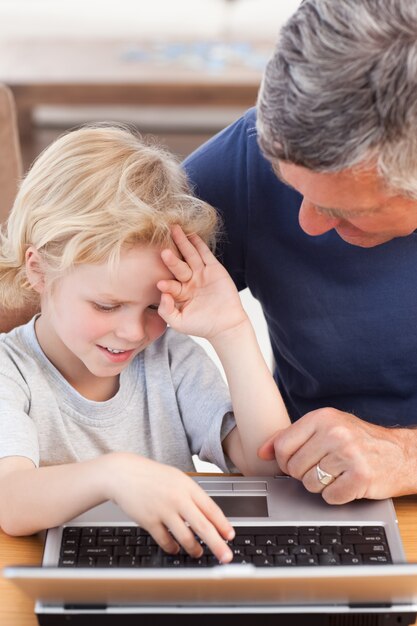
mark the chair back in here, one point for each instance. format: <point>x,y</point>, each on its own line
<point>10,155</point>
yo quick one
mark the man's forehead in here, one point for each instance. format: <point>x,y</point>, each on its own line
<point>353,191</point>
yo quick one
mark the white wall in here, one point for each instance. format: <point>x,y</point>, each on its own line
<point>256,316</point>
<point>137,18</point>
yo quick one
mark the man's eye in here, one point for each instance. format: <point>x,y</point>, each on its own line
<point>105,307</point>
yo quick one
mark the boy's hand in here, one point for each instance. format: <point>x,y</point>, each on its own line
<point>161,498</point>
<point>203,300</point>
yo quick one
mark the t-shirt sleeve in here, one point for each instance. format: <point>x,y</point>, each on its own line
<point>203,400</point>
<point>18,434</point>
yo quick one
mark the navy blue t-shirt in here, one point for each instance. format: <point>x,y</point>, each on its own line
<point>342,319</point>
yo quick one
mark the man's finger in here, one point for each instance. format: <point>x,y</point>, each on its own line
<point>267,450</point>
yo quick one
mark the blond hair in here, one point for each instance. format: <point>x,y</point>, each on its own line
<point>89,194</point>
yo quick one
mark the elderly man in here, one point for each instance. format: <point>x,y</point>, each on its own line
<point>318,191</point>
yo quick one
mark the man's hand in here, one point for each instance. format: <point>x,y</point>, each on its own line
<point>367,461</point>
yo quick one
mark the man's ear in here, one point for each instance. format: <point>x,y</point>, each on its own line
<point>34,270</point>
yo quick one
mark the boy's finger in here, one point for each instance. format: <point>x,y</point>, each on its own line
<point>187,249</point>
<point>203,249</point>
<point>164,539</point>
<point>209,535</point>
<point>167,309</point>
<point>172,287</point>
<point>185,537</point>
<point>179,268</point>
<point>212,526</point>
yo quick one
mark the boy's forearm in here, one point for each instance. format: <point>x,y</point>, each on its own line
<point>257,403</point>
<point>34,499</point>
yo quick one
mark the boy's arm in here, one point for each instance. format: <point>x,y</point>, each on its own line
<point>155,496</point>
<point>257,404</point>
<point>203,301</point>
<point>32,499</point>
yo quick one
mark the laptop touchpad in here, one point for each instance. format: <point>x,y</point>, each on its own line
<point>242,506</point>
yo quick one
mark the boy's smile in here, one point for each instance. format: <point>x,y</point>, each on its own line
<point>94,321</point>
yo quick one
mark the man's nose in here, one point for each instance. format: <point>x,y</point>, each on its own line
<point>313,222</point>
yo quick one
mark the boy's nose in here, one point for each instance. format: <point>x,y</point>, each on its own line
<point>132,330</point>
<point>313,222</point>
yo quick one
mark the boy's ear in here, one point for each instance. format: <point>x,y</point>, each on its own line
<point>34,269</point>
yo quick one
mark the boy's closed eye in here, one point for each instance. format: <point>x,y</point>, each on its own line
<point>108,308</point>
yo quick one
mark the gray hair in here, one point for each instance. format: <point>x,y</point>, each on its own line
<point>341,89</point>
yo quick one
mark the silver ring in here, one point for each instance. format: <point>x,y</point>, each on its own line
<point>324,477</point>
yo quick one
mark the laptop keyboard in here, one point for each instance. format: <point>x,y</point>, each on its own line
<point>130,546</point>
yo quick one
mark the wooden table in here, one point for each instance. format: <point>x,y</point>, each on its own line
<point>17,610</point>
<point>127,73</point>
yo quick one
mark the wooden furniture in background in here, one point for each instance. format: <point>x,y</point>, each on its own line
<point>86,72</point>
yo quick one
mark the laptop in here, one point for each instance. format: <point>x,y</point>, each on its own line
<point>293,555</point>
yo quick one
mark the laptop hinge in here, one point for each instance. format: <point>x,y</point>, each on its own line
<point>370,605</point>
<point>85,607</point>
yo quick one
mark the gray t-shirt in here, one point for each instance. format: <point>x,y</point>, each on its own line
<point>171,403</point>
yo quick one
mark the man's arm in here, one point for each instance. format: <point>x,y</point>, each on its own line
<point>367,461</point>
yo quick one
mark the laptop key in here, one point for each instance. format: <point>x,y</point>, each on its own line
<point>88,541</point>
<point>372,548</point>
<point>106,561</point>
<point>329,559</point>
<point>125,531</point>
<point>244,540</point>
<point>322,550</point>
<point>351,530</point>
<point>300,550</point>
<point>287,540</point>
<point>88,530</point>
<point>338,549</point>
<point>201,562</point>
<point>173,561</point>
<point>370,559</point>
<point>135,541</point>
<point>285,560</point>
<point>255,551</point>
<point>109,540</point>
<point>124,551</point>
<point>304,559</point>
<point>263,561</point>
<point>69,552</point>
<point>73,531</point>
<point>106,531</point>
<point>128,561</point>
<point>86,563</point>
<point>351,559</point>
<point>97,551</point>
<point>277,550</point>
<point>266,540</point>
<point>67,562</point>
<point>308,530</point>
<point>330,540</point>
<point>309,540</point>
